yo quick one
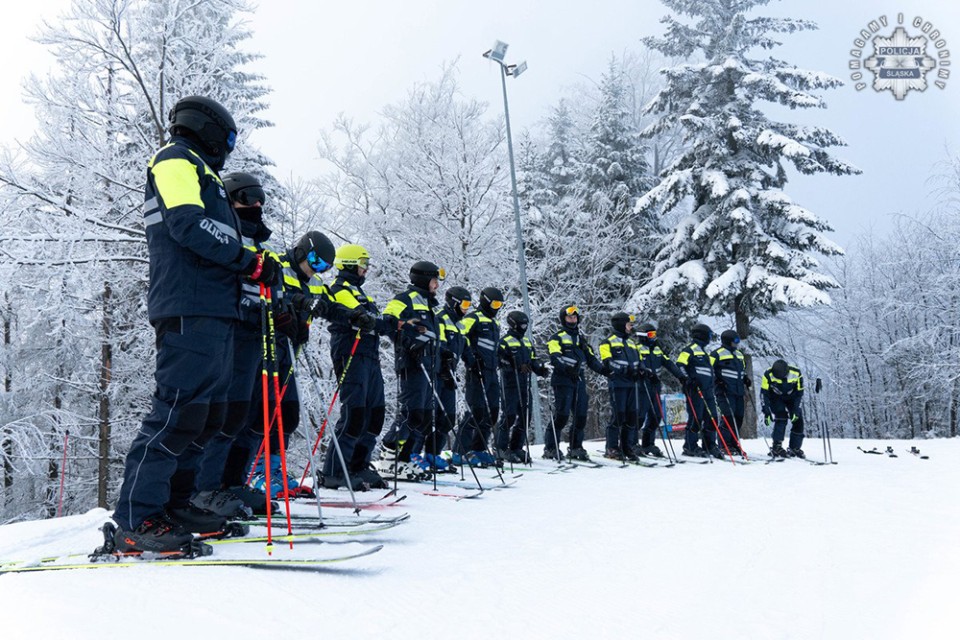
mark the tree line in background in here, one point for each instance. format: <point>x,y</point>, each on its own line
<point>662,193</point>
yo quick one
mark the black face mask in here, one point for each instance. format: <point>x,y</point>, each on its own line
<point>250,214</point>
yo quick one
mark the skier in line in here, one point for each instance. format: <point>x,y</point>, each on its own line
<point>247,198</point>
<point>569,353</point>
<point>362,403</point>
<point>731,384</point>
<point>517,361</point>
<point>196,260</point>
<point>304,298</point>
<point>651,407</point>
<point>482,389</point>
<point>453,349</point>
<point>781,391</point>
<point>621,360</point>
<point>416,362</point>
<point>701,403</point>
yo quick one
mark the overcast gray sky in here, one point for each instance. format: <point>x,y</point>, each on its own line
<point>323,58</point>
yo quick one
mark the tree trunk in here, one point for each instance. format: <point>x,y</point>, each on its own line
<point>6,448</point>
<point>749,429</point>
<point>106,371</point>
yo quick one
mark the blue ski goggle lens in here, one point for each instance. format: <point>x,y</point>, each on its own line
<point>231,140</point>
<point>317,263</point>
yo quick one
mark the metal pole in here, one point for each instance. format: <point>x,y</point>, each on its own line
<point>535,385</point>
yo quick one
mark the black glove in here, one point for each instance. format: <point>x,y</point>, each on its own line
<point>747,382</point>
<point>301,303</point>
<point>363,320</point>
<point>508,360</point>
<point>286,323</point>
<point>446,373</point>
<point>651,375</point>
<point>303,333</point>
<point>541,369</point>
<point>525,368</point>
<point>264,269</point>
<point>721,385</point>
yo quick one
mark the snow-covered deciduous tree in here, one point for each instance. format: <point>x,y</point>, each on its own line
<point>746,251</point>
<point>74,266</point>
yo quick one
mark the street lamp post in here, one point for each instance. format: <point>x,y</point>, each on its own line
<point>497,54</point>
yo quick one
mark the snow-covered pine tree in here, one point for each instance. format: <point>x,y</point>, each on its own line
<point>74,250</point>
<point>746,250</point>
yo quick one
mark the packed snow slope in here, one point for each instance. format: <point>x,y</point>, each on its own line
<point>863,549</point>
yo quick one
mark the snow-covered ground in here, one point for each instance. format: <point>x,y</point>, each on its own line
<point>864,549</point>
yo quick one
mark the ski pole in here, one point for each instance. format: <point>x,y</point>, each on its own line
<point>305,418</point>
<point>440,406</point>
<point>265,399</point>
<point>276,395</point>
<point>333,432</point>
<point>333,400</point>
<point>716,426</point>
<point>63,471</point>
<point>489,420</point>
<point>663,431</point>
<point>700,424</point>
<point>732,424</point>
<point>553,425</point>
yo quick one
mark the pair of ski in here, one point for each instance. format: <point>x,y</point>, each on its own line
<point>889,452</point>
<point>198,554</point>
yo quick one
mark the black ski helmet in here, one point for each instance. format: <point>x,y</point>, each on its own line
<point>569,310</point>
<point>619,321</point>
<point>518,321</point>
<point>644,331</point>
<point>316,249</point>
<point>730,339</point>
<point>701,333</point>
<point>780,369</point>
<point>456,297</point>
<point>422,272</point>
<point>491,299</point>
<point>244,188</point>
<point>210,123</point>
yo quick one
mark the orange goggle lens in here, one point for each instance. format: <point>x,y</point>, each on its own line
<point>633,318</point>
<point>651,334</point>
<point>442,274</point>
<point>496,304</point>
<point>572,311</point>
<point>464,304</point>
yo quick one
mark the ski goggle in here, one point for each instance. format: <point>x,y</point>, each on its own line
<point>231,140</point>
<point>496,304</point>
<point>249,196</point>
<point>651,334</point>
<point>363,263</point>
<point>441,274</point>
<point>571,311</point>
<point>317,263</point>
<point>631,319</point>
<point>464,305</point>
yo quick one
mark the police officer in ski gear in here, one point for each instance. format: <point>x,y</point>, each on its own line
<point>518,361</point>
<point>417,362</point>
<point>650,387</point>
<point>730,384</point>
<point>569,354</point>
<point>482,391</point>
<point>453,349</point>
<point>196,260</point>
<point>781,391</point>
<point>621,360</point>
<point>701,402</point>
<point>362,403</point>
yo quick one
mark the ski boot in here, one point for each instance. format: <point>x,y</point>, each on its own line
<point>254,500</point>
<point>195,520</point>
<point>222,503</point>
<point>335,482</point>
<point>437,463</point>
<point>612,453</point>
<point>796,452</point>
<point>156,534</point>
<point>371,478</point>
<point>651,451</point>
<point>693,452</point>
<point>464,459</point>
<point>777,451</point>
<point>578,454</point>
<point>552,454</point>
